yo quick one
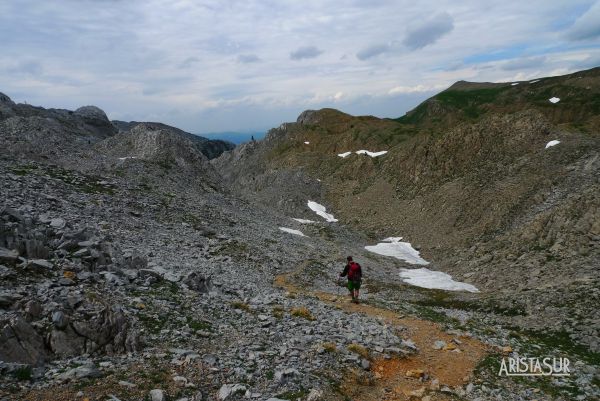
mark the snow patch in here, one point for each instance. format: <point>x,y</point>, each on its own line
<point>344,155</point>
<point>426,278</point>
<point>303,221</point>
<point>534,81</point>
<point>321,211</point>
<point>554,100</point>
<point>552,143</point>
<point>292,231</point>
<point>372,154</point>
<point>514,83</point>
<point>127,157</point>
<point>393,247</point>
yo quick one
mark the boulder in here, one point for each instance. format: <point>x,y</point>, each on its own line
<point>60,320</point>
<point>157,395</point>
<point>283,376</point>
<point>8,256</point>
<point>227,390</point>
<point>20,343</point>
<point>33,309</point>
<point>58,223</point>
<point>197,282</point>
<point>66,343</point>
<point>81,372</point>
<point>8,299</point>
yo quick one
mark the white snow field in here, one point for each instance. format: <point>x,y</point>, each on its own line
<point>552,143</point>
<point>345,154</point>
<point>372,154</point>
<point>554,100</point>
<point>321,211</point>
<point>303,221</point>
<point>292,231</point>
<point>400,250</point>
<point>514,83</point>
<point>426,278</point>
<point>534,81</point>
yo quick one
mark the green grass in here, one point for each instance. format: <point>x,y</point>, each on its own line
<point>434,316</point>
<point>443,299</point>
<point>165,290</point>
<point>23,373</point>
<point>84,183</point>
<point>152,324</point>
<point>489,365</point>
<point>470,102</point>
<point>23,169</point>
<point>198,325</point>
<point>415,116</point>
<point>293,395</point>
<point>165,164</point>
<point>560,340</point>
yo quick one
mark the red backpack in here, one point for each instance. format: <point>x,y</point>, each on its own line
<point>354,272</point>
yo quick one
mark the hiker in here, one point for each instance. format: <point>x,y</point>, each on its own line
<point>354,273</point>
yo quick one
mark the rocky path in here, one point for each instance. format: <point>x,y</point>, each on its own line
<point>443,360</point>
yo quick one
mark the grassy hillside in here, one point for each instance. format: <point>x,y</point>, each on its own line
<point>579,104</point>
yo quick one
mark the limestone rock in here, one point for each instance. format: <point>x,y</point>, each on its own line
<point>20,343</point>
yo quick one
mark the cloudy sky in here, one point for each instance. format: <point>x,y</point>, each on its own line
<point>208,66</point>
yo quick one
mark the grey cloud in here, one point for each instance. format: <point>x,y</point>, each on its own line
<point>429,32</point>
<point>305,52</point>
<point>164,85</point>
<point>587,26</point>
<point>26,67</point>
<point>189,62</point>
<point>372,51</point>
<point>524,63</point>
<point>248,58</point>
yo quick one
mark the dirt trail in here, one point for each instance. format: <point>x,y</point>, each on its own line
<point>450,367</point>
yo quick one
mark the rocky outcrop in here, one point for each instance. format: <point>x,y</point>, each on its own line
<point>169,150</point>
<point>35,132</point>
<point>211,148</point>
<point>20,343</point>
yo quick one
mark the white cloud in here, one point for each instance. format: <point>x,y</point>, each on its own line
<point>415,89</point>
<point>250,65</point>
<point>587,26</point>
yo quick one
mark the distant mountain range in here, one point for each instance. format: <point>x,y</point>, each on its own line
<point>235,137</point>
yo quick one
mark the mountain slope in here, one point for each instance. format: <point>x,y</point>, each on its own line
<point>471,182</point>
<point>579,95</point>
